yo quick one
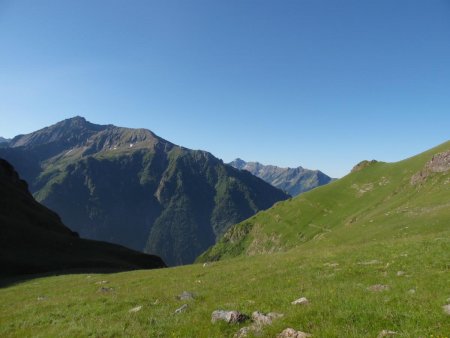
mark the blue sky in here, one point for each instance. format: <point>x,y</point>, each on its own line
<point>322,84</point>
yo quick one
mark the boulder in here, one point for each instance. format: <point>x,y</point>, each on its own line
<point>231,317</point>
<point>291,333</point>
<point>262,319</point>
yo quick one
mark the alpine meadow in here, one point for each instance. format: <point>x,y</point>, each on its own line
<point>225,169</point>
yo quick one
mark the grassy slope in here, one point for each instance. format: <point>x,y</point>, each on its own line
<point>373,204</point>
<point>340,304</point>
<point>401,227</point>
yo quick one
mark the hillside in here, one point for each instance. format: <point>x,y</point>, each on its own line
<point>33,239</point>
<point>292,180</point>
<point>375,201</point>
<point>131,187</point>
<point>383,273</point>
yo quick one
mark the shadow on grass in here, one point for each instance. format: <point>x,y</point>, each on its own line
<point>11,280</point>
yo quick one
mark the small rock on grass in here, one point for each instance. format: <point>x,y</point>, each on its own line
<point>262,319</point>
<point>182,308</point>
<point>231,317</point>
<point>378,288</point>
<point>386,333</point>
<point>300,301</point>
<point>259,320</point>
<point>185,295</point>
<point>331,265</point>
<point>135,309</point>
<point>41,298</point>
<point>105,290</point>
<point>372,262</point>
<point>102,282</point>
<point>291,333</point>
<point>446,308</point>
<point>243,332</point>
<point>401,273</point>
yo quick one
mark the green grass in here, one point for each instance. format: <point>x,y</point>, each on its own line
<point>369,205</point>
<point>320,244</point>
<point>341,305</point>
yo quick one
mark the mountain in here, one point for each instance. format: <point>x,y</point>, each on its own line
<point>369,252</point>
<point>4,141</point>
<point>33,239</point>
<point>292,180</point>
<point>131,187</point>
<point>377,200</point>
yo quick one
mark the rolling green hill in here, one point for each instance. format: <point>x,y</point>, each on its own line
<point>376,201</point>
<point>370,252</point>
<point>33,239</point>
<point>131,187</point>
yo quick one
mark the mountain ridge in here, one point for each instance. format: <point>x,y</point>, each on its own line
<point>292,180</point>
<point>135,188</point>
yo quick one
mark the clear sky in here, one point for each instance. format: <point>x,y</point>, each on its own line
<point>318,83</point>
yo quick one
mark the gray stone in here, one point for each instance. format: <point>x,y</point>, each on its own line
<point>262,319</point>
<point>231,317</point>
<point>378,288</point>
<point>243,332</point>
<point>135,309</point>
<point>102,282</point>
<point>105,290</point>
<point>386,333</point>
<point>300,301</point>
<point>182,308</point>
<point>372,262</point>
<point>446,309</point>
<point>291,333</point>
<point>185,295</point>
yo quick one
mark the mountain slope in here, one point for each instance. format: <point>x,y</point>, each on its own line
<point>384,277</point>
<point>4,140</point>
<point>375,201</point>
<point>33,239</point>
<point>292,180</point>
<point>131,187</point>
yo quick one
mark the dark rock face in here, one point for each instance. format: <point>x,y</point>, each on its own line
<point>33,238</point>
<point>131,187</point>
<point>292,180</point>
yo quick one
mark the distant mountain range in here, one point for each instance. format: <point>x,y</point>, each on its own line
<point>131,187</point>
<point>294,181</point>
<point>33,239</point>
<point>4,140</point>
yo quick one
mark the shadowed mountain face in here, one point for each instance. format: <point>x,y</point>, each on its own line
<point>33,238</point>
<point>292,180</point>
<point>131,187</point>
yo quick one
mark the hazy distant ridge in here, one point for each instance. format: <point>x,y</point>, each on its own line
<point>292,180</point>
